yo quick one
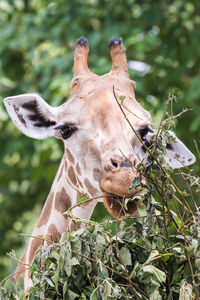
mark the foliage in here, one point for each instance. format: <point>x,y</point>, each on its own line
<point>138,262</point>
<point>152,255</point>
<point>37,40</point>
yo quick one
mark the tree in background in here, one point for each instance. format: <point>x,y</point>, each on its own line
<point>37,40</point>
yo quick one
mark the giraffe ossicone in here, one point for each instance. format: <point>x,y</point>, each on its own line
<point>100,149</point>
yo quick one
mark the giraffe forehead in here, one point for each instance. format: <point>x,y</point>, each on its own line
<point>105,114</point>
<point>100,106</point>
<point>87,83</point>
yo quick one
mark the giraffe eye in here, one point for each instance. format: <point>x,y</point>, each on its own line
<point>143,132</point>
<point>66,130</point>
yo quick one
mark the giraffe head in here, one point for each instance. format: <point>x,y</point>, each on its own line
<point>101,150</point>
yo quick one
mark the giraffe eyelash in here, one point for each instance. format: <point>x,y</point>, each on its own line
<point>66,130</point>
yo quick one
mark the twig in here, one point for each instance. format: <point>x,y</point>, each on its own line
<point>37,237</point>
<point>189,188</point>
<point>17,260</point>
<point>196,146</point>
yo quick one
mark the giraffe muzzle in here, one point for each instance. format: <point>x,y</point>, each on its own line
<point>116,183</point>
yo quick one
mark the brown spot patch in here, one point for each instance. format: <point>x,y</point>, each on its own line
<point>53,234</point>
<point>36,243</point>
<point>91,189</point>
<point>92,151</point>
<point>74,226</point>
<point>97,174</point>
<point>72,176</point>
<point>78,169</point>
<point>44,217</point>
<point>62,202</point>
<point>70,157</point>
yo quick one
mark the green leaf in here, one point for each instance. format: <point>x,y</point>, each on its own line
<point>65,288</point>
<point>177,276</point>
<point>55,278</point>
<point>153,255</point>
<point>122,98</point>
<point>72,295</point>
<point>50,282</point>
<point>88,291</point>
<point>82,198</point>
<point>186,291</point>
<point>32,297</point>
<point>165,256</point>
<point>74,261</point>
<point>100,239</point>
<point>126,256</point>
<point>136,182</point>
<point>142,211</point>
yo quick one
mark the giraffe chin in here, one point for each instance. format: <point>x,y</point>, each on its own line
<point>114,205</point>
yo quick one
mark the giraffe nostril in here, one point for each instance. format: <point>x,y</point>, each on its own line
<point>114,163</point>
<point>126,164</point>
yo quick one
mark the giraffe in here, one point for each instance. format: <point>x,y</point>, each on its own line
<point>100,149</point>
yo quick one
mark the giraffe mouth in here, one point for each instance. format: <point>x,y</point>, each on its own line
<point>117,198</point>
<point>118,206</point>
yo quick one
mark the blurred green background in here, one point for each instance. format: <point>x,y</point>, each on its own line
<point>37,39</point>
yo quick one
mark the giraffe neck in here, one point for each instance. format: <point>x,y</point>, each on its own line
<point>63,195</point>
<point>52,221</point>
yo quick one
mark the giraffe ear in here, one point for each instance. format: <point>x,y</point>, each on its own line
<point>32,115</point>
<point>178,154</point>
